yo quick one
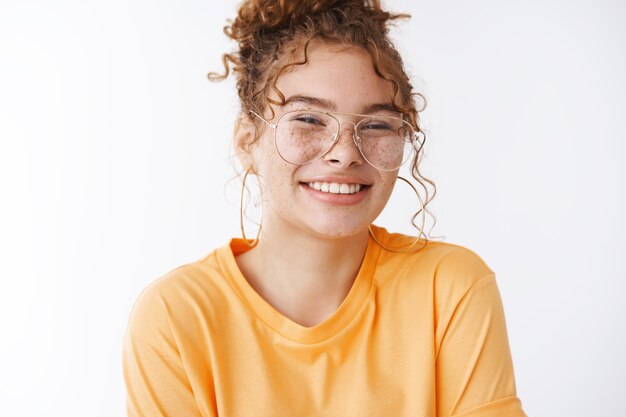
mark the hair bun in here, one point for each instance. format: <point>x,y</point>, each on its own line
<point>264,17</point>
<point>266,29</point>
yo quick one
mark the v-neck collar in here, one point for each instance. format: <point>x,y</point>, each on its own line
<point>281,324</point>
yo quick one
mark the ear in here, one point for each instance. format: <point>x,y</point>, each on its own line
<point>243,137</point>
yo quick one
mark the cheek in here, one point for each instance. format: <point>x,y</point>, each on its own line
<point>278,184</point>
<point>277,179</point>
<point>386,188</point>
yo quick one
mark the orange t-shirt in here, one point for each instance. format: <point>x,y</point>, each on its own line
<point>420,335</point>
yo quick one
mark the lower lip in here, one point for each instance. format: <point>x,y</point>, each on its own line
<point>337,199</point>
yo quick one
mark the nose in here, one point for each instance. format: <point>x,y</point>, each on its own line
<point>345,152</point>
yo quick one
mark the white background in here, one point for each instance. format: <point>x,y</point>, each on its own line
<point>114,169</point>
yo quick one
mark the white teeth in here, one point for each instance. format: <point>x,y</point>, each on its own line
<point>335,188</point>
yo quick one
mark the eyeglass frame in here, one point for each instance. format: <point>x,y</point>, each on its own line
<point>355,138</point>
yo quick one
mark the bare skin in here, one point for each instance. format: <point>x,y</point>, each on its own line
<point>325,273</point>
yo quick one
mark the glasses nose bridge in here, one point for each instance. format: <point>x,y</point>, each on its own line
<point>355,137</point>
<point>341,122</point>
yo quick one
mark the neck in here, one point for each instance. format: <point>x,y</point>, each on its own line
<point>290,250</point>
<point>301,274</point>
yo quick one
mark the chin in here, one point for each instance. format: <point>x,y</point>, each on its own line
<point>337,230</point>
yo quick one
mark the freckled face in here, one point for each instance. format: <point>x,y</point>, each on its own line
<point>340,80</point>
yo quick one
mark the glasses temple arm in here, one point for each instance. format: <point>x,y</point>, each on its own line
<point>273,126</point>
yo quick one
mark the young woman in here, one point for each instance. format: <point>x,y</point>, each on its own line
<point>322,313</point>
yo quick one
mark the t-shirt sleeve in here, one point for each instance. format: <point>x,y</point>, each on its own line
<point>156,380</point>
<point>474,370</point>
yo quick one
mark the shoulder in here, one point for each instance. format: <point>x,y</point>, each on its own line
<point>455,264</point>
<point>182,281</point>
<point>449,269</point>
<point>446,260</point>
<point>174,298</point>
<point>446,278</point>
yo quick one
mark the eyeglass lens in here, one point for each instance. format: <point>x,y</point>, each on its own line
<point>303,136</point>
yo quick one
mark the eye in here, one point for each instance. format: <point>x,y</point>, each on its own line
<point>308,119</point>
<point>376,125</point>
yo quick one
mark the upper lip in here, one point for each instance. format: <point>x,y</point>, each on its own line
<point>339,180</point>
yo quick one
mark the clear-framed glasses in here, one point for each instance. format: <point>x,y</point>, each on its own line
<point>303,136</point>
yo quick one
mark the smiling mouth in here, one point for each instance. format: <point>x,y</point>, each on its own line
<point>336,188</point>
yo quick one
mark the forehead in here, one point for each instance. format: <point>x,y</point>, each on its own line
<point>344,76</point>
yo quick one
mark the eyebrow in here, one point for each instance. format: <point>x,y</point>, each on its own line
<point>314,101</point>
<point>378,107</point>
<point>330,105</point>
